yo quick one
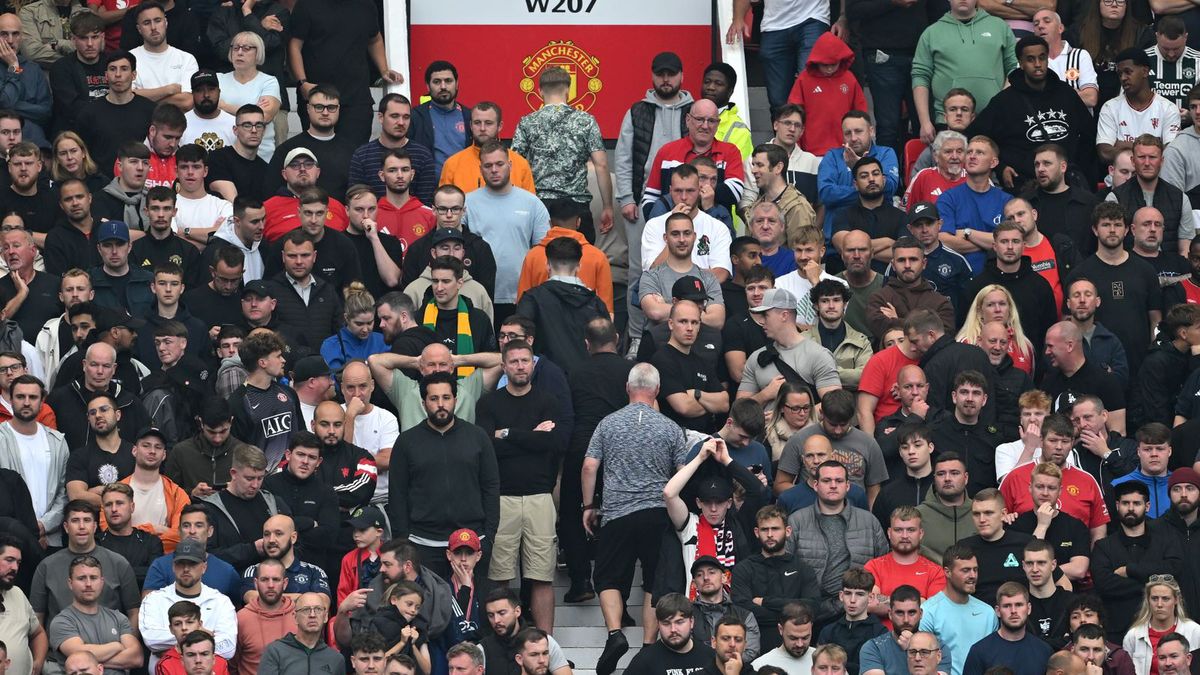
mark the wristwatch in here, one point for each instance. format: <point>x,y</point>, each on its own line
<point>967,234</point>
<point>698,392</point>
<point>503,434</point>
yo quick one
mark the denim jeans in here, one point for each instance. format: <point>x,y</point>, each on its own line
<point>783,54</point>
<point>890,81</point>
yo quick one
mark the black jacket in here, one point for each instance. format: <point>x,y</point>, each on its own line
<point>1122,460</point>
<point>1157,385</point>
<point>480,261</point>
<point>1020,119</point>
<point>561,310</point>
<point>1009,384</point>
<point>976,443</point>
<point>421,131</point>
<point>198,345</point>
<point>138,300</point>
<point>1189,544</point>
<point>195,460</point>
<point>314,510</point>
<point>1071,234</point>
<point>1122,595</point>
<point>778,580</point>
<point>901,490</point>
<point>69,403</point>
<point>948,357</point>
<point>851,636</point>
<point>889,443</point>
<point>350,472</point>
<point>1031,292</point>
<point>316,321</point>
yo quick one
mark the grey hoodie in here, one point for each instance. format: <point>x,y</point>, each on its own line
<point>666,129</point>
<point>254,261</point>
<point>1181,167</point>
<point>435,609</point>
<point>289,656</point>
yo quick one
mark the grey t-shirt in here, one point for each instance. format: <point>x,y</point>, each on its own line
<point>103,627</point>
<point>858,451</point>
<point>807,357</point>
<point>639,449</point>
<point>659,280</point>
<point>49,593</point>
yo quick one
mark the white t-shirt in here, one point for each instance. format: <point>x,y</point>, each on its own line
<point>239,94</point>
<point>150,504</point>
<point>1074,66</point>
<point>201,212</point>
<point>211,134</point>
<point>712,241</point>
<point>799,286</point>
<point>373,432</point>
<point>173,66</point>
<point>307,411</point>
<point>35,462</point>
<point>1119,122</point>
<point>782,14</point>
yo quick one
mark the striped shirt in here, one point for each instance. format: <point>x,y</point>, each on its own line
<point>1173,79</point>
<point>1073,65</point>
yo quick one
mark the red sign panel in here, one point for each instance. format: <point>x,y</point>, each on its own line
<point>501,48</point>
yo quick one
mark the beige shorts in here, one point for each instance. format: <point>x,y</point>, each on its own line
<point>526,535</point>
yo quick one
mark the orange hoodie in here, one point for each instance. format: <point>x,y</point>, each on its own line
<point>257,628</point>
<point>462,169</point>
<point>594,270</point>
<point>825,98</point>
<point>176,499</point>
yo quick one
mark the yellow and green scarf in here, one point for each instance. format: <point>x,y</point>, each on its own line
<point>466,343</point>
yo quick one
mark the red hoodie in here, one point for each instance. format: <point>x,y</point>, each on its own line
<point>170,662</point>
<point>826,99</point>
<point>407,223</point>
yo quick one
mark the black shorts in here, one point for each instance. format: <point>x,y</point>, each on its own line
<point>622,542</point>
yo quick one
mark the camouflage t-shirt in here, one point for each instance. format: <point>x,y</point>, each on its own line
<point>558,140</point>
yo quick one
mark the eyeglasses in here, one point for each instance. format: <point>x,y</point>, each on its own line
<point>325,107</point>
<point>305,166</point>
<point>10,369</point>
<point>244,48</point>
<point>706,121</point>
<point>252,126</point>
<point>798,408</point>
<point>789,124</point>
<point>923,653</point>
<point>1113,3</point>
<point>511,336</point>
<point>447,209</point>
<point>312,611</point>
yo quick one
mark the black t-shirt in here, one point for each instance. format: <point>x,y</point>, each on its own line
<point>1090,379</point>
<point>335,33</point>
<point>247,175</point>
<point>40,211</point>
<point>482,334</point>
<point>735,298</point>
<point>213,308</point>
<point>830,339</point>
<point>369,270</point>
<point>40,305</point>
<point>1048,616</point>
<point>743,334</point>
<point>659,659</point>
<point>1170,267</point>
<point>105,127</point>
<point>679,372</point>
<point>96,467</point>
<point>1068,534</point>
<point>884,221</point>
<point>149,252</point>
<point>999,561</point>
<point>1128,292</point>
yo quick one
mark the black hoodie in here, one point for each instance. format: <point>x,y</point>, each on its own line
<point>1020,119</point>
<point>1033,295</point>
<point>561,310</point>
<point>1157,384</point>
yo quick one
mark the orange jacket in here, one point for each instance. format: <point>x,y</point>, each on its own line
<point>462,169</point>
<point>594,270</point>
<point>176,499</point>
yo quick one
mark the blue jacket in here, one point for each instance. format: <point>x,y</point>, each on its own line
<point>835,185</point>
<point>27,93</point>
<point>342,347</point>
<point>1160,493</point>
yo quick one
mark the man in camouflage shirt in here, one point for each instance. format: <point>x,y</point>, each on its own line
<point>558,141</point>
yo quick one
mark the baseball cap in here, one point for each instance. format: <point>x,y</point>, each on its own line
<point>190,550</point>
<point>300,152</point>
<point>151,431</point>
<point>111,318</point>
<point>1184,474</point>
<point>706,561</point>
<point>689,287</point>
<point>714,489</point>
<point>464,538</point>
<point>922,211</point>
<point>446,234</point>
<point>205,78</point>
<point>776,298</point>
<point>310,367</point>
<point>367,517</point>
<point>666,61</point>
<point>257,287</point>
<point>112,229</point>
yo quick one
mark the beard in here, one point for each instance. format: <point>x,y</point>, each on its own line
<point>1132,519</point>
<point>678,642</point>
<point>1185,508</point>
<point>206,107</point>
<point>775,548</point>
<point>8,581</point>
<point>284,549</point>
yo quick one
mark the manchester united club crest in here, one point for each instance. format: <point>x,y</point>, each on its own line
<point>1072,74</point>
<point>583,68</point>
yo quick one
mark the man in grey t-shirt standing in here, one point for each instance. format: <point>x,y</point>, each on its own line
<point>640,449</point>
<point>86,625</point>
<point>806,359</point>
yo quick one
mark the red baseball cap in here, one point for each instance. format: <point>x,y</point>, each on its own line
<point>464,537</point>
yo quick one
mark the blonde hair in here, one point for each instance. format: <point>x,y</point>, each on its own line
<point>973,325</point>
<point>56,169</point>
<point>1143,615</point>
<point>358,300</point>
<point>260,49</point>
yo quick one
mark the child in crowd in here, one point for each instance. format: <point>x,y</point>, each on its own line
<point>856,625</point>
<point>360,566</point>
<point>399,624</point>
<point>184,617</point>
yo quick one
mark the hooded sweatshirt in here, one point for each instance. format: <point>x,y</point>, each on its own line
<point>418,291</point>
<point>906,299</point>
<point>594,270</point>
<point>561,308</point>
<point>408,222</point>
<point>259,627</point>
<point>825,98</point>
<point>944,525</point>
<point>289,655</point>
<point>1180,166</point>
<point>254,263</point>
<point>668,126</point>
<point>1021,118</point>
<point>974,54</point>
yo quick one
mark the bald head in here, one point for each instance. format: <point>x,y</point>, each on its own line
<point>817,443</point>
<point>279,522</point>
<point>435,358</point>
<point>702,108</point>
<point>82,662</point>
<point>1065,663</point>
<point>855,239</point>
<point>101,351</point>
<point>910,373</point>
<point>355,370</point>
<point>1065,330</point>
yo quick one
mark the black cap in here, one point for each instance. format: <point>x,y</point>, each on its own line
<point>922,211</point>
<point>706,561</point>
<point>689,287</point>
<point>309,367</point>
<point>666,61</point>
<point>151,431</point>
<point>369,516</point>
<point>190,550</point>
<point>111,318</point>
<point>715,488</point>
<point>1138,56</point>
<point>257,287</point>
<point>205,78</point>
<point>446,234</point>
